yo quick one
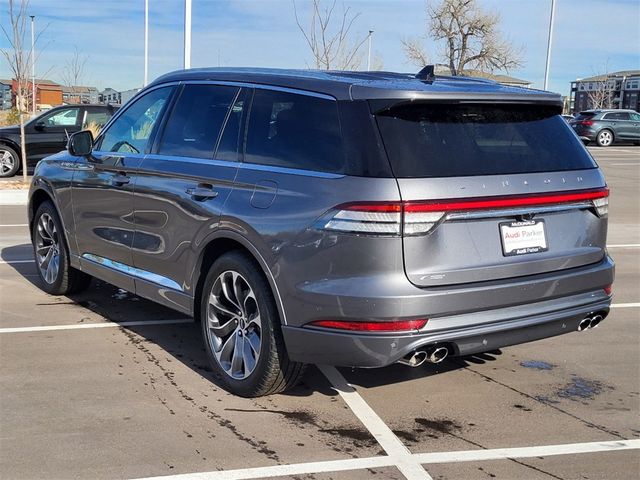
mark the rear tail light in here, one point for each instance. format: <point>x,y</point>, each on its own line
<point>608,289</point>
<point>420,217</point>
<point>585,123</point>
<point>393,326</point>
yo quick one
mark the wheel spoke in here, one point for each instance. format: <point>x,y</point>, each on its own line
<point>227,290</point>
<point>222,330</point>
<point>224,354</point>
<point>253,339</point>
<point>236,361</point>
<point>248,358</point>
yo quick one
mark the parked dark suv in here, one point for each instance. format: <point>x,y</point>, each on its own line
<point>606,127</point>
<point>354,219</point>
<point>48,133</point>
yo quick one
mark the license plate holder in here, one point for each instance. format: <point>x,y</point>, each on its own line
<point>523,237</point>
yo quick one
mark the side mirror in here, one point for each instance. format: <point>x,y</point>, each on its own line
<point>39,126</point>
<point>80,143</point>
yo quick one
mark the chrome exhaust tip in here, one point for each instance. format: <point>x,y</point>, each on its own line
<point>437,354</point>
<point>584,324</point>
<point>414,359</point>
<point>595,321</point>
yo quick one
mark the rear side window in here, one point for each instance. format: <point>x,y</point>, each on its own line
<point>294,131</point>
<point>429,140</point>
<point>616,116</point>
<point>196,120</point>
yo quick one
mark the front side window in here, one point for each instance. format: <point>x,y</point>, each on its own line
<point>294,131</point>
<point>96,117</point>
<point>196,120</point>
<point>131,131</point>
<point>62,118</point>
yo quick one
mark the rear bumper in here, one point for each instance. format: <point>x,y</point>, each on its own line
<point>311,345</point>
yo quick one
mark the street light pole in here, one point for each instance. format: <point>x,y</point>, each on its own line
<point>187,34</point>
<point>369,54</point>
<point>550,39</point>
<point>33,66</point>
<point>146,42</point>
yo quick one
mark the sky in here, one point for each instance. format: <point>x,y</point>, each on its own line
<point>590,36</point>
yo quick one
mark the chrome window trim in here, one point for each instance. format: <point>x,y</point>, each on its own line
<point>133,271</point>
<point>287,170</point>
<point>263,86</point>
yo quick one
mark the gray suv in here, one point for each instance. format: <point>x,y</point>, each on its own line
<point>353,219</point>
<point>606,127</point>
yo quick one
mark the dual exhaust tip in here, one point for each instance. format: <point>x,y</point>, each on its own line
<point>591,321</point>
<point>431,355</point>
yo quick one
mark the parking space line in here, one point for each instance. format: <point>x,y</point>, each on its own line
<point>624,245</point>
<point>80,326</point>
<point>387,461</point>
<point>625,305</point>
<point>15,225</point>
<point>389,442</point>
<point>9,262</point>
<point>527,452</point>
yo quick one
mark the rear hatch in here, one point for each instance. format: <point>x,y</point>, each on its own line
<point>492,191</point>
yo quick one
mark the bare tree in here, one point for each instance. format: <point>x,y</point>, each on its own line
<point>469,37</point>
<point>329,37</point>
<point>19,61</point>
<point>73,71</point>
<point>414,52</point>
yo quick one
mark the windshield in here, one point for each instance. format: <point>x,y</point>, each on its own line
<point>437,140</point>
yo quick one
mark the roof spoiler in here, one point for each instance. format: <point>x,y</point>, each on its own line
<point>427,74</point>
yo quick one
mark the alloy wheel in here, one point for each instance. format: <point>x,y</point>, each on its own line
<point>47,248</point>
<point>233,324</point>
<point>605,138</point>
<point>7,162</point>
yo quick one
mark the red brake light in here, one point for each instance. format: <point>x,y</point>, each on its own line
<point>505,202</point>
<point>394,326</point>
<point>608,289</point>
<point>586,123</point>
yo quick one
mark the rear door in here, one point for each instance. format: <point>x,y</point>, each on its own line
<point>620,123</point>
<point>492,192</point>
<point>181,188</point>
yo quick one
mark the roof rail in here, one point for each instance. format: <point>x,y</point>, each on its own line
<point>426,74</point>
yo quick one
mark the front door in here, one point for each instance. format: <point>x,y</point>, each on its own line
<point>102,190</point>
<point>48,134</point>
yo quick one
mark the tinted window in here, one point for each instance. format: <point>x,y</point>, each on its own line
<point>585,116</point>
<point>231,140</point>
<point>635,116</point>
<point>196,120</point>
<point>67,117</point>
<point>295,131</point>
<point>96,117</point>
<point>130,132</point>
<point>457,140</point>
<point>616,116</point>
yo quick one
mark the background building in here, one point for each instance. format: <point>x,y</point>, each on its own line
<point>6,95</point>
<point>127,95</point>
<point>610,90</point>
<point>109,95</point>
<point>80,94</point>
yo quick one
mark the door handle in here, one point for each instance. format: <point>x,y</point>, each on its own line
<point>120,179</point>
<point>202,192</point>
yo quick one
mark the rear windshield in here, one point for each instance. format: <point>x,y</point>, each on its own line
<point>430,140</point>
<point>585,115</point>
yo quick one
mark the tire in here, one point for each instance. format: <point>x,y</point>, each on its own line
<point>238,314</point>
<point>56,273</point>
<point>9,161</point>
<point>604,138</point>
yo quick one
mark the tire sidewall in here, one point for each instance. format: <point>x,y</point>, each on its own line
<point>268,314</point>
<point>16,165</point>
<point>57,286</point>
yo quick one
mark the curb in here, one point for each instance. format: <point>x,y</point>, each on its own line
<point>13,197</point>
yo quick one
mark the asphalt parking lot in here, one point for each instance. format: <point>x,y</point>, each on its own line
<point>107,385</point>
